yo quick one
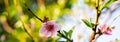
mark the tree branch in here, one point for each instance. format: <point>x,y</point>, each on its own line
<point>98,12</point>
<point>34,14</point>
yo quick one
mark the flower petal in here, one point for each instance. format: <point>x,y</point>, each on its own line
<point>50,22</point>
<point>57,27</point>
<point>48,34</point>
<point>108,32</point>
<point>54,33</point>
<point>102,26</point>
<point>44,32</point>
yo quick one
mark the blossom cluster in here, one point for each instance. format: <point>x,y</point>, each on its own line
<point>105,29</point>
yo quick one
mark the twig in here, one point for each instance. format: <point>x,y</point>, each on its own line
<point>34,14</point>
<point>28,33</point>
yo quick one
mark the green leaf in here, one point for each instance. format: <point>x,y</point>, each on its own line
<point>87,23</point>
<point>107,4</point>
<point>59,35</point>
<point>71,31</point>
<point>65,33</point>
<point>92,25</point>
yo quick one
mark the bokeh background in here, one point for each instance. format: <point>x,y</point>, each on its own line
<point>17,24</point>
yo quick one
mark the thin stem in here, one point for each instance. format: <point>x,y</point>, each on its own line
<point>34,14</point>
<point>65,36</point>
<point>28,33</point>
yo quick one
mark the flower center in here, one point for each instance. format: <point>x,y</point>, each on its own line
<point>50,27</point>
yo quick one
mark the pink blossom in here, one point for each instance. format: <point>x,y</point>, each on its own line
<point>104,28</point>
<point>108,31</point>
<point>49,28</point>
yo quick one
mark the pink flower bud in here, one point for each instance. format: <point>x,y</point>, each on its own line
<point>104,28</point>
<point>108,32</point>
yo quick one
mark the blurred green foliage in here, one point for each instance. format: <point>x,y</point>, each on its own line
<point>15,16</point>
